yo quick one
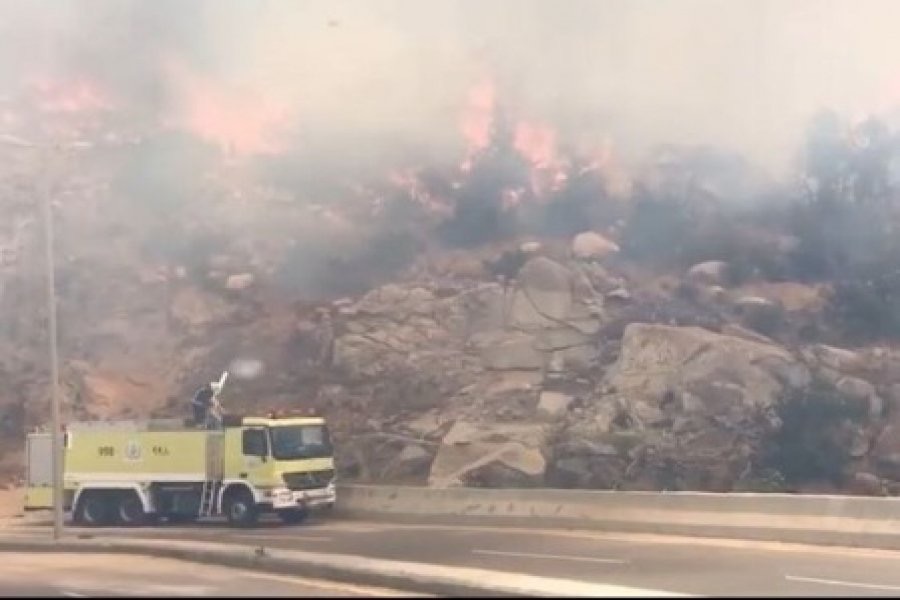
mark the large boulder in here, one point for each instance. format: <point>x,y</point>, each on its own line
<point>495,455</point>
<point>412,463</point>
<point>862,392</point>
<point>553,405</point>
<point>396,301</point>
<point>699,401</point>
<point>550,295</point>
<point>544,294</point>
<point>656,358</point>
<point>507,350</point>
<point>377,456</point>
<point>590,245</point>
<point>480,309</point>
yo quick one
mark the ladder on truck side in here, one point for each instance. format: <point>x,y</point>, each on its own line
<point>209,492</point>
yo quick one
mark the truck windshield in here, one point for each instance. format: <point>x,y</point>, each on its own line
<point>293,442</point>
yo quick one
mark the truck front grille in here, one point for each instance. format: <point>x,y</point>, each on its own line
<point>309,480</point>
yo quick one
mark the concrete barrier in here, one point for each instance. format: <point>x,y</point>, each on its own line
<point>833,520</point>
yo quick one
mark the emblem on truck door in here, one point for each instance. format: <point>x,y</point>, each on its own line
<point>132,450</point>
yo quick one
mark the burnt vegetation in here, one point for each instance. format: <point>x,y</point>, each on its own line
<point>809,444</point>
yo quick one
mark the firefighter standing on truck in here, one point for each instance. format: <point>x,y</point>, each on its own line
<point>205,405</point>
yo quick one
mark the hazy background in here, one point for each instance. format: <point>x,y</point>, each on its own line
<point>372,78</point>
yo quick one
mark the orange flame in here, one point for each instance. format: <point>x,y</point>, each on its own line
<point>408,181</point>
<point>537,143</point>
<point>74,95</point>
<point>478,119</point>
<point>237,120</point>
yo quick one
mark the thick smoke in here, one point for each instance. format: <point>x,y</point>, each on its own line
<point>368,80</point>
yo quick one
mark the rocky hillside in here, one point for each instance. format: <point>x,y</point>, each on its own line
<point>572,376</point>
<point>683,325</point>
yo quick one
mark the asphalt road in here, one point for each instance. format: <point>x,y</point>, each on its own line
<point>668,564</point>
<point>93,575</point>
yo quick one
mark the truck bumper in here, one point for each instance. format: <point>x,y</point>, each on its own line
<point>284,498</point>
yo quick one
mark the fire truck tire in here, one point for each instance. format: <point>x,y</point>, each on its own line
<point>130,510</point>
<point>293,516</point>
<point>240,508</point>
<point>95,509</point>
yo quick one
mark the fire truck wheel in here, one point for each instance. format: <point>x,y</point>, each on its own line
<point>94,509</point>
<point>293,516</point>
<point>240,508</point>
<point>130,510</point>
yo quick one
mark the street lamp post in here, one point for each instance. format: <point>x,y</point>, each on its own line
<point>55,421</point>
<point>50,278</point>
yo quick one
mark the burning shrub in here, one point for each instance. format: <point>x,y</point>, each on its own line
<point>479,215</point>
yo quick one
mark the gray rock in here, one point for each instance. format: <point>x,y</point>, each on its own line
<point>591,245</point>
<point>599,278</point>
<point>578,358</point>
<point>647,413</point>
<point>792,374</point>
<point>886,452</point>
<point>735,330</point>
<point>560,338</point>
<point>553,405</point>
<point>508,351</point>
<point>620,294</point>
<point>866,483</point>
<point>863,393</point>
<point>855,388</point>
<point>721,386</point>
<point>413,462</point>
<point>859,440</point>
<point>454,464</point>
<point>839,359</point>
<point>543,297</point>
<point>712,272</point>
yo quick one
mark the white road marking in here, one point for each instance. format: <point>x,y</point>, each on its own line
<point>615,561</point>
<point>866,586</point>
<point>328,585</point>
<point>284,538</point>
<point>73,595</point>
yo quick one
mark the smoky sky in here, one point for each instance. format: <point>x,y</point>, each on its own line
<point>372,77</point>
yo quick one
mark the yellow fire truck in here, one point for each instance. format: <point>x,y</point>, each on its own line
<point>132,473</point>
